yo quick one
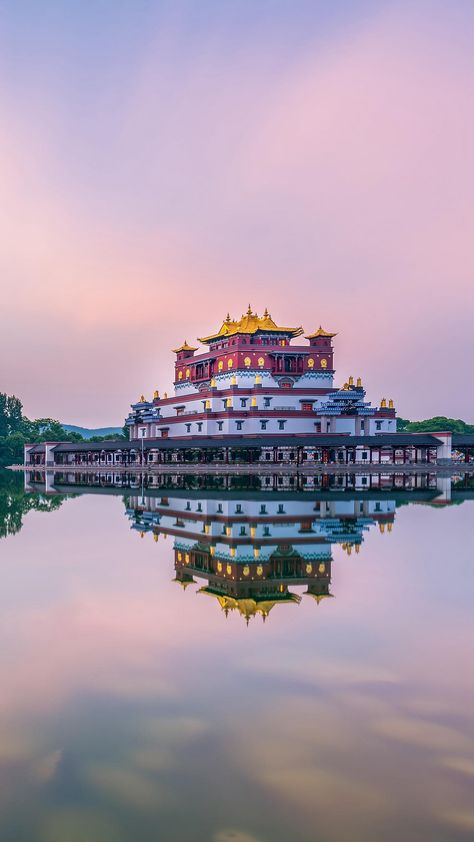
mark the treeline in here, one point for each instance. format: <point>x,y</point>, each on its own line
<point>16,430</point>
<point>438,423</point>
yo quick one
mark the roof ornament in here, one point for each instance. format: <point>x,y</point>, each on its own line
<point>249,311</point>
<point>142,398</point>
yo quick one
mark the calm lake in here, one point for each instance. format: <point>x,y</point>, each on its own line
<point>236,660</point>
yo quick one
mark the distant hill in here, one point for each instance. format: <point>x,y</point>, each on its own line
<point>87,432</point>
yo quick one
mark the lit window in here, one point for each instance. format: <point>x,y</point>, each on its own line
<point>230,363</point>
<point>310,363</point>
<point>324,363</point>
<point>261,362</point>
<point>247,362</point>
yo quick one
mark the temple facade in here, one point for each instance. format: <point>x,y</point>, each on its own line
<point>257,378</point>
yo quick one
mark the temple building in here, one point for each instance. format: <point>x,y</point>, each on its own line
<point>257,378</point>
<point>260,393</point>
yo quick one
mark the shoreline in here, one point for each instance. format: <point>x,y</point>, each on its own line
<point>252,468</point>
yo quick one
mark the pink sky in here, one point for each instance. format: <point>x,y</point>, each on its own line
<point>332,183</point>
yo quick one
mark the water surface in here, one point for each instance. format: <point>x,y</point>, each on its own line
<point>318,685</point>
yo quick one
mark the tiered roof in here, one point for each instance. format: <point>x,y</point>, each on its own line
<point>320,332</point>
<point>184,347</point>
<point>250,323</point>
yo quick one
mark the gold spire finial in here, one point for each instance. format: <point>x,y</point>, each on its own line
<point>359,382</point>
<point>351,380</point>
<point>166,395</point>
<point>249,311</point>
<point>156,395</point>
<point>266,313</point>
<point>390,403</point>
<point>142,398</point>
<point>228,317</point>
<point>383,403</point>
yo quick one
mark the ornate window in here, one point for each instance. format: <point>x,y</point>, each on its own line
<point>220,365</point>
<point>261,362</point>
<point>247,362</point>
<point>230,363</point>
<point>324,363</point>
<point>180,375</point>
<point>310,363</point>
<point>188,374</point>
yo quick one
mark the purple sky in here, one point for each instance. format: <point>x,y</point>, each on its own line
<point>163,163</point>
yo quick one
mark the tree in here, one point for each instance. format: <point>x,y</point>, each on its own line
<point>11,414</point>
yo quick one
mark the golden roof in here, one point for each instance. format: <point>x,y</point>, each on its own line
<point>320,332</point>
<point>185,582</point>
<point>247,606</point>
<point>184,347</point>
<point>249,323</point>
<point>320,596</point>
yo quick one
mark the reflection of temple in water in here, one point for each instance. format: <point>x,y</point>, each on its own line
<point>250,551</point>
<point>253,542</point>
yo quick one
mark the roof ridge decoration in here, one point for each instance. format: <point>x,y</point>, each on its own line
<point>249,323</point>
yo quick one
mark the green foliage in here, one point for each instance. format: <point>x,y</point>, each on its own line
<point>15,503</point>
<point>439,423</point>
<point>402,424</point>
<point>16,430</point>
<point>108,437</point>
<point>11,415</point>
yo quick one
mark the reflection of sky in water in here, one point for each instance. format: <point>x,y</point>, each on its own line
<point>134,709</point>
